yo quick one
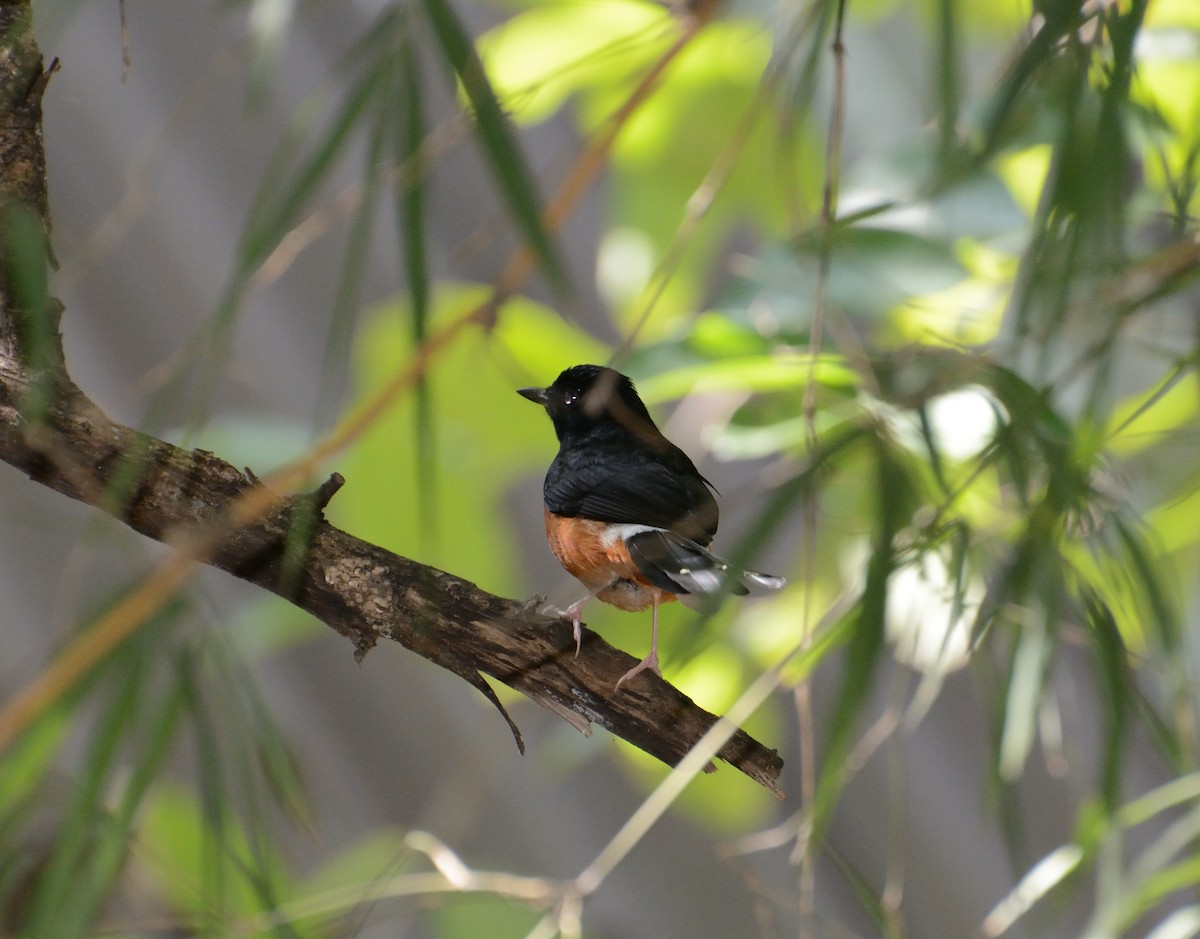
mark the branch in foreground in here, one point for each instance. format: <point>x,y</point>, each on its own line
<point>359,589</point>
<point>50,430</point>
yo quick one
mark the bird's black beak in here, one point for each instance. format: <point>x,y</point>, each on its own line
<point>536,395</point>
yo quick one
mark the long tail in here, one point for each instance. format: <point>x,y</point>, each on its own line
<point>679,565</point>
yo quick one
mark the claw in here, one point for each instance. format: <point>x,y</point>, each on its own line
<point>572,615</point>
<point>648,664</point>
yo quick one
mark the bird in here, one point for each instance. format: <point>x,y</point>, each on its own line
<point>626,511</point>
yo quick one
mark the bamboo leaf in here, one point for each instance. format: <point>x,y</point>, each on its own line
<point>1164,620</point>
<point>356,257</point>
<point>272,220</point>
<point>114,837</point>
<point>53,911</point>
<point>1114,672</point>
<point>496,137</point>
<point>1182,924</point>
<point>410,216</point>
<point>1060,18</point>
<point>1038,881</point>
<point>1026,679</point>
<point>866,640</point>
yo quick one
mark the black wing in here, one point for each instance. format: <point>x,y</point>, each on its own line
<point>655,488</point>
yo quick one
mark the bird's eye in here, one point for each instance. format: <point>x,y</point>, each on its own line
<point>570,398</point>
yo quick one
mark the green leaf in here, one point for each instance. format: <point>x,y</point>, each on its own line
<point>274,213</point>
<point>1116,699</point>
<point>756,373</point>
<point>26,762</point>
<point>541,57</point>
<point>1164,621</point>
<point>357,255</point>
<point>496,138</point>
<point>1026,679</point>
<point>866,640</point>
<point>70,873</point>
<point>410,214</point>
<point>495,917</point>
<point>285,193</point>
<point>113,841</point>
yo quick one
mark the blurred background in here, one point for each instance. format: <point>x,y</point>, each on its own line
<point>961,401</point>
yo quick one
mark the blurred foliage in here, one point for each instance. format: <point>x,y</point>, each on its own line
<point>966,407</point>
<point>482,447</point>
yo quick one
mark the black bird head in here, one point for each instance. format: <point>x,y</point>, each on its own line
<point>587,399</point>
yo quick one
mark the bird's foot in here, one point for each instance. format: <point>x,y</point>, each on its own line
<point>649,663</point>
<point>572,615</point>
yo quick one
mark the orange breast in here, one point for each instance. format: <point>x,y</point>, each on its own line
<point>603,566</point>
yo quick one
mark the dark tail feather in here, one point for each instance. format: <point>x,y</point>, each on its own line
<point>679,565</point>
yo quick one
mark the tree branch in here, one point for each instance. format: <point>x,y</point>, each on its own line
<point>217,514</point>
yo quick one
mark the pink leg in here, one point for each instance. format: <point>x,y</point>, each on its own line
<point>650,661</point>
<point>573,615</point>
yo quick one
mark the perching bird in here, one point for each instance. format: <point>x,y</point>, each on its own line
<point>627,512</point>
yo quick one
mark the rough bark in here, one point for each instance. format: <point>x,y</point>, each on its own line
<point>50,430</point>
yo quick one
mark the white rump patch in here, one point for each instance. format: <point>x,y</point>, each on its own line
<point>623,532</point>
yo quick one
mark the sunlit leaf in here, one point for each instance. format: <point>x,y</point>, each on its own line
<point>543,55</point>
<point>1145,418</point>
<point>1039,880</point>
